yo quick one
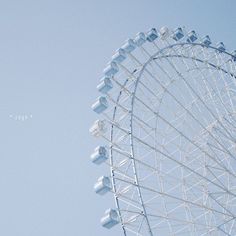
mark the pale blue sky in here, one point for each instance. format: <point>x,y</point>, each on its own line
<point>52,53</point>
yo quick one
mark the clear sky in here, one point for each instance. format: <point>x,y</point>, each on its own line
<point>52,53</point>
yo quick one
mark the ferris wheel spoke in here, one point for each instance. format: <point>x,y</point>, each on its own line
<point>199,96</point>
<point>193,171</point>
<point>154,170</point>
<point>136,117</point>
<point>223,136</point>
<point>221,205</point>
<point>166,217</point>
<point>233,127</point>
<point>193,59</point>
<point>223,186</point>
<point>225,84</point>
<point>206,83</point>
<point>194,92</point>
<point>183,135</point>
<point>181,164</point>
<point>225,130</point>
<point>181,200</point>
<point>181,104</point>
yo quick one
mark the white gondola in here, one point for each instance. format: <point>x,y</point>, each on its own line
<point>178,34</point>
<point>98,128</point>
<point>111,69</point>
<point>119,56</point>
<point>100,105</point>
<point>164,32</point>
<point>192,36</point>
<point>220,46</point>
<point>129,46</point>
<point>152,35</point>
<point>140,39</point>
<point>105,85</point>
<point>234,55</point>
<point>103,185</point>
<point>110,218</point>
<point>99,155</point>
<point>206,40</point>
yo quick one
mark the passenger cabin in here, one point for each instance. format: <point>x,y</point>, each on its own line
<point>129,46</point>
<point>192,36</point>
<point>206,41</point>
<point>100,105</point>
<point>111,69</point>
<point>140,39</point>
<point>119,56</point>
<point>221,47</point>
<point>99,155</point>
<point>152,35</point>
<point>178,34</point>
<point>105,85</point>
<point>98,128</point>
<point>164,32</point>
<point>110,218</point>
<point>103,185</point>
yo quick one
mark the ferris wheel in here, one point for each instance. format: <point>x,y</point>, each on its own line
<point>167,116</point>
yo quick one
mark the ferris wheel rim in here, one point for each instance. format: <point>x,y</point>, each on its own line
<point>132,124</point>
<point>112,170</point>
<point>151,58</point>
